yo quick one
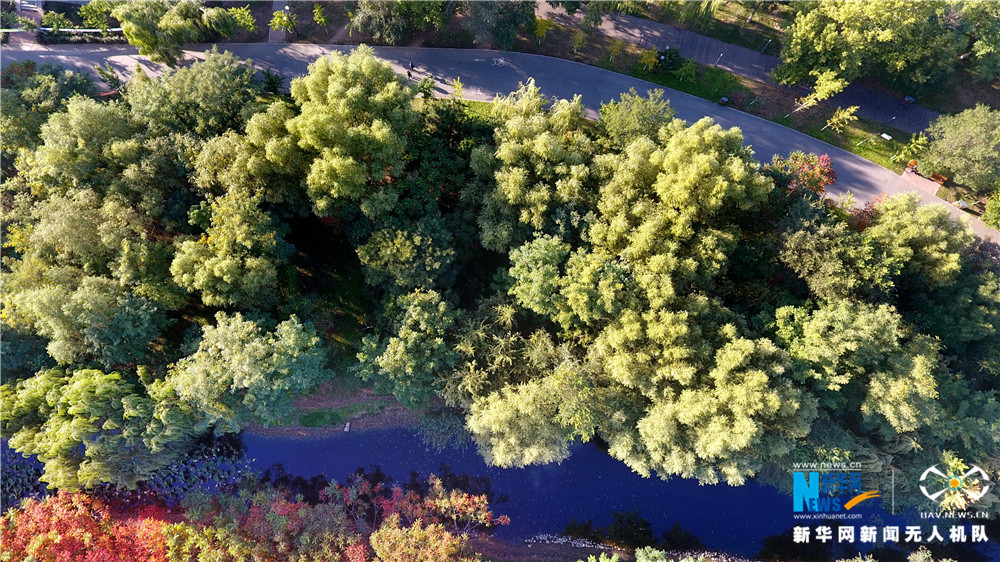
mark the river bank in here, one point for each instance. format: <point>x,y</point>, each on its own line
<point>338,407</point>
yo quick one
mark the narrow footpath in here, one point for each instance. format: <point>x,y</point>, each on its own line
<point>277,35</point>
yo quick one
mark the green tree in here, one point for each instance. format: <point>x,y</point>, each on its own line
<point>319,16</point>
<point>573,290</point>
<point>57,21</point>
<point>283,20</point>
<point>968,146</point>
<point>866,361</point>
<point>96,319</point>
<point>633,115</point>
<point>498,23</point>
<point>143,265</point>
<point>31,93</point>
<point>542,28</point>
<point>666,378</point>
<point>412,363</point>
<point>95,14</point>
<point>241,374</point>
<point>418,542</point>
<point>416,255</point>
<point>542,169</point>
<point>23,354</point>
<point>744,412</point>
<point>698,14</point>
<point>535,421</point>
<point>90,427</point>
<point>122,338</point>
<point>236,260</point>
<point>355,112</point>
<point>161,28</point>
<point>841,117</point>
<point>981,23</point>
<point>78,144</point>
<point>834,261</point>
<point>207,98</point>
<point>83,231</point>
<point>910,45</point>
<point>924,239</point>
<point>964,315</point>
<point>992,215</point>
<point>265,160</point>
<point>396,20</point>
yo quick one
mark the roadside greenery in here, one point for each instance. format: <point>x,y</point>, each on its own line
<point>639,280</point>
<point>911,47</point>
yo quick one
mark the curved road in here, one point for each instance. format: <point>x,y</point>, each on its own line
<point>483,76</point>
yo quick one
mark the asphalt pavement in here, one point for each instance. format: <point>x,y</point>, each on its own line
<point>485,74</point>
<point>872,104</point>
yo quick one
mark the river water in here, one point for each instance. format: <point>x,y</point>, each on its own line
<point>542,499</point>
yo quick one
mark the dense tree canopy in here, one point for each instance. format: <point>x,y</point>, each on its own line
<point>161,28</point>
<point>31,93</point>
<point>236,261</point>
<point>967,146</point>
<point>240,375</point>
<point>180,255</point>
<point>91,427</point>
<point>355,112</point>
<point>205,99</point>
<point>912,46</point>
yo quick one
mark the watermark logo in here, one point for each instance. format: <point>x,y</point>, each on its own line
<point>956,487</point>
<point>828,491</point>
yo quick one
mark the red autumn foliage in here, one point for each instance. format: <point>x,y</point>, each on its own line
<point>266,524</point>
<point>801,171</point>
<point>864,216</point>
<point>78,527</point>
<point>371,503</point>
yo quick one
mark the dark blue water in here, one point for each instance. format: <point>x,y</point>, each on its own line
<point>542,499</point>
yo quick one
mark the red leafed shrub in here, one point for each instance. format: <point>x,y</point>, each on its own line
<point>20,69</point>
<point>356,553</point>
<point>263,524</point>
<point>78,527</point>
<point>863,217</point>
<point>369,502</point>
<point>801,171</point>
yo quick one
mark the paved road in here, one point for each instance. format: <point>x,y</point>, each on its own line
<point>872,104</point>
<point>482,80</point>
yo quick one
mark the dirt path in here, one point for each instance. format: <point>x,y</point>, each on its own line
<point>335,395</point>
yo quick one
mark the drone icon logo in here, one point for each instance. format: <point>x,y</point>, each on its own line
<point>956,483</point>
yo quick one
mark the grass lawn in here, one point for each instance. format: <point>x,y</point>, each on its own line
<point>961,92</point>
<point>325,417</point>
